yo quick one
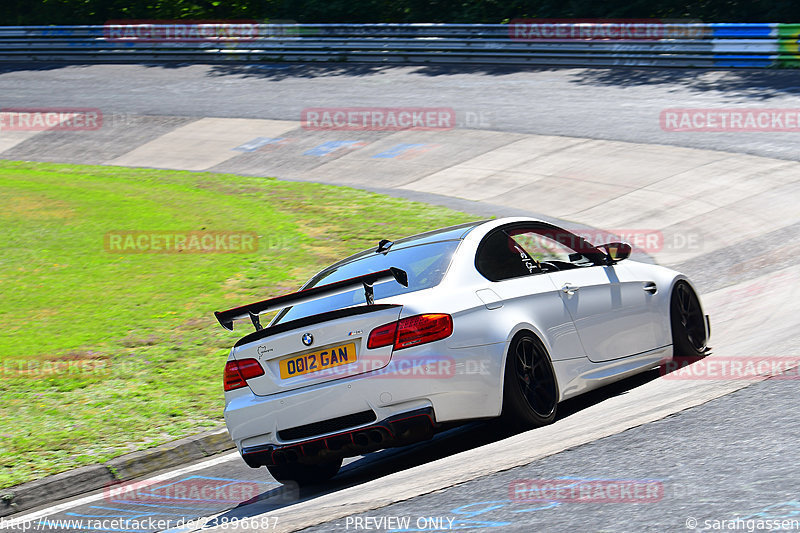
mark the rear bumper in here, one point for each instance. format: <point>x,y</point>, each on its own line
<point>372,402</point>
<point>397,430</point>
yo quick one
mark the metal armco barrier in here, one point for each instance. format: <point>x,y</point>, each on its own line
<point>519,43</point>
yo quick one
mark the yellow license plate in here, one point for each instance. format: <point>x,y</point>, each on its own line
<point>297,365</point>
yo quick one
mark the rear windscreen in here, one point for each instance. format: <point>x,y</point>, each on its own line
<point>425,265</point>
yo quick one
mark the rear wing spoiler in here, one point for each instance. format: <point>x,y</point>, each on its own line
<point>252,311</point>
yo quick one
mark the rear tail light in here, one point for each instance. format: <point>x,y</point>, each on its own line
<point>382,336</point>
<point>238,372</point>
<point>411,331</point>
<point>421,329</point>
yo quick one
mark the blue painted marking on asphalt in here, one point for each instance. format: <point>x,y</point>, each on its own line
<point>132,511</point>
<point>545,506</point>
<point>232,481</point>
<point>132,515</point>
<point>457,525</point>
<point>54,523</point>
<point>397,149</point>
<point>478,524</point>
<point>109,516</point>
<point>494,504</point>
<point>468,512</point>
<point>123,515</point>
<point>579,480</point>
<point>167,499</point>
<point>142,511</point>
<point>201,500</point>
<point>176,482</point>
<point>127,511</point>
<point>475,509</point>
<point>258,142</point>
<point>213,478</point>
<point>169,506</point>
<point>332,146</point>
<point>778,511</point>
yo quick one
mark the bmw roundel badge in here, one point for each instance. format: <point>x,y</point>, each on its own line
<point>308,339</point>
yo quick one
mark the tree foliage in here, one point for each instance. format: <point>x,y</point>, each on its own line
<point>28,12</point>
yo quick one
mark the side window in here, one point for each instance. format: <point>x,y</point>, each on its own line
<point>540,247</point>
<point>501,257</point>
<point>553,246</point>
<point>516,252</point>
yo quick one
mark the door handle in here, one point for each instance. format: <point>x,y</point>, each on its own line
<point>570,289</point>
<point>650,287</point>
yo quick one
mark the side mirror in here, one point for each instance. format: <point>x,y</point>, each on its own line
<point>617,251</point>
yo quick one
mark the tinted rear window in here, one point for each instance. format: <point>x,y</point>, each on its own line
<point>425,264</point>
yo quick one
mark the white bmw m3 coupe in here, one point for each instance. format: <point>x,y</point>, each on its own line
<point>501,318</point>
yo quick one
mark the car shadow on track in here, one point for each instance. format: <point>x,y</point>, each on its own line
<point>452,441</point>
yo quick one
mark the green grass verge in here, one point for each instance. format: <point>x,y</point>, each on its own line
<point>104,353</point>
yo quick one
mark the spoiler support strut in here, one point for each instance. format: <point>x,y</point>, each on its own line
<point>256,322</point>
<point>369,294</point>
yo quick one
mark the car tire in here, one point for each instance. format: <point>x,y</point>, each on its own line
<point>687,322</point>
<point>530,390</point>
<point>303,474</point>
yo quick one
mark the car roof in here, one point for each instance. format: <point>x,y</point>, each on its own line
<point>450,233</point>
<point>444,234</point>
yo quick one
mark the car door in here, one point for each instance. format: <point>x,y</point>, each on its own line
<point>609,307</point>
<point>526,294</point>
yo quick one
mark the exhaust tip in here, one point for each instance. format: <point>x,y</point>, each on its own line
<point>376,436</point>
<point>291,455</point>
<point>279,458</point>
<point>361,439</point>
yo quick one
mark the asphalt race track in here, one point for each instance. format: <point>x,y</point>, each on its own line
<point>584,146</point>
<point>620,104</point>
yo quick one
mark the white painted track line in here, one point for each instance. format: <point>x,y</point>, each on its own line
<point>42,513</point>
